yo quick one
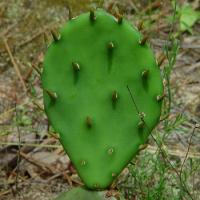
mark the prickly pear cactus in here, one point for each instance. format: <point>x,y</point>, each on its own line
<point>102,93</point>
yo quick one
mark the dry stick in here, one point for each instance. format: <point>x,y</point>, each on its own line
<point>5,192</point>
<point>28,74</point>
<point>3,33</point>
<point>18,154</point>
<point>2,115</point>
<point>15,65</point>
<point>160,147</point>
<point>41,108</point>
<point>165,117</point>
<point>36,69</point>
<point>67,177</point>
<point>37,34</point>
<point>54,177</point>
<point>110,7</point>
<point>77,182</point>
<point>175,152</point>
<point>32,145</point>
<point>54,135</point>
<point>152,6</point>
<point>37,163</point>
<point>188,149</point>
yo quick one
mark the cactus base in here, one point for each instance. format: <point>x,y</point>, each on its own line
<point>84,194</point>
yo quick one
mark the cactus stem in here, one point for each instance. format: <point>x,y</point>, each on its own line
<point>114,96</point>
<point>160,97</point>
<point>89,122</point>
<point>76,67</point>
<point>145,74</point>
<point>52,95</point>
<point>110,151</point>
<point>144,40</point>
<point>161,59</point>
<point>92,15</point>
<point>83,162</point>
<point>55,36</point>
<point>111,46</point>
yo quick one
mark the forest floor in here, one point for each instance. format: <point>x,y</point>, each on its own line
<point>33,164</point>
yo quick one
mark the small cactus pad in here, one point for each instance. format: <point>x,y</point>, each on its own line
<point>83,194</point>
<point>89,75</point>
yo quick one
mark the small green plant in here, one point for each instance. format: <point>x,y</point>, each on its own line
<point>188,17</point>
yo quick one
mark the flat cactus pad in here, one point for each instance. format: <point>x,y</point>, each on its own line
<point>102,93</point>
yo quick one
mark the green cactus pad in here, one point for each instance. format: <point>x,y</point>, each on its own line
<point>85,78</point>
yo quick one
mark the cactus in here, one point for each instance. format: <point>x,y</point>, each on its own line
<point>102,93</point>
<point>82,194</point>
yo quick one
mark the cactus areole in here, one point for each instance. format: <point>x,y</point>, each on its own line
<point>102,94</point>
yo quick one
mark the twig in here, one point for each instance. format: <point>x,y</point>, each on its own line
<point>164,117</point>
<point>3,33</point>
<point>31,145</point>
<point>15,65</point>
<point>40,107</point>
<point>37,34</point>
<point>174,152</point>
<point>28,74</point>
<point>77,181</point>
<point>153,6</point>
<point>37,163</point>
<point>36,69</point>
<point>5,192</point>
<point>188,149</point>
<point>18,155</point>
<point>54,135</point>
<point>69,179</point>
<point>66,176</point>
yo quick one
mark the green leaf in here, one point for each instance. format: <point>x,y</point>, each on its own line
<point>188,17</point>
